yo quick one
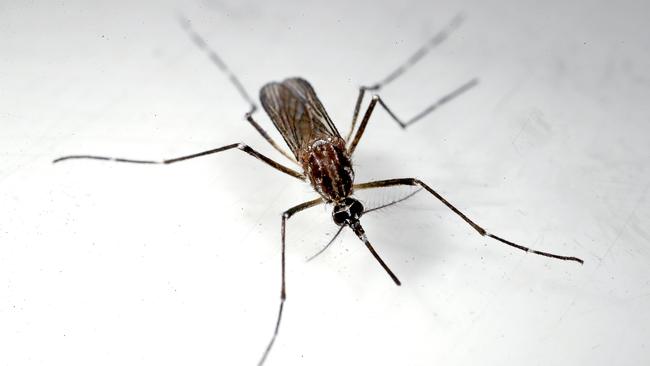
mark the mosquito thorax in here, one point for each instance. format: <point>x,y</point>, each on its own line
<point>347,211</point>
<point>328,167</point>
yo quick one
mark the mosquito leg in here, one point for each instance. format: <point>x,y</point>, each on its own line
<point>249,118</point>
<point>420,53</point>
<point>283,293</point>
<point>366,117</point>
<point>243,147</point>
<point>401,69</point>
<point>437,104</point>
<point>216,59</point>
<point>479,229</point>
<point>357,107</point>
<point>377,99</point>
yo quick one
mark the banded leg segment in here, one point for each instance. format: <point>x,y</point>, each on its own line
<point>478,228</point>
<point>240,146</point>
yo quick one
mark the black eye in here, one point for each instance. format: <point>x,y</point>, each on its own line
<point>340,217</point>
<point>356,209</point>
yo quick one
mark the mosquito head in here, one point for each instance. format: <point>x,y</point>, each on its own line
<point>347,211</point>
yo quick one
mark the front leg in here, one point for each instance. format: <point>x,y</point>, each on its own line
<point>479,229</point>
<point>283,293</point>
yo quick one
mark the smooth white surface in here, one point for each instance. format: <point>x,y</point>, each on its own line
<point>108,264</point>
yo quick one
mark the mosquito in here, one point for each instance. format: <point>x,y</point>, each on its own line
<point>322,154</point>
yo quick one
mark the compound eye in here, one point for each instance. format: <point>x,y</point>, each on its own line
<point>356,209</point>
<point>340,217</point>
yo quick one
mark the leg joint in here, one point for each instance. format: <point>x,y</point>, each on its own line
<point>416,182</point>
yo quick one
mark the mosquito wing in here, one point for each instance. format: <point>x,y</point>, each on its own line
<point>296,112</point>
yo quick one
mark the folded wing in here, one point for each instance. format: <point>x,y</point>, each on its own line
<point>297,113</point>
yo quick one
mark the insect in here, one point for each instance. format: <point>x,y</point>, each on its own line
<point>323,154</point>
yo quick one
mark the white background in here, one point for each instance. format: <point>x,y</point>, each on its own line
<point>118,264</point>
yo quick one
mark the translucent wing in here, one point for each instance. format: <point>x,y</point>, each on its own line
<point>296,112</point>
